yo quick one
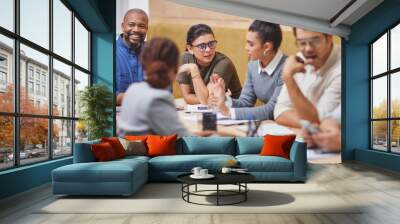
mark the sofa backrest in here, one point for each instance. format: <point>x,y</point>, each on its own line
<point>249,145</point>
<point>83,152</point>
<point>192,146</point>
<point>206,145</point>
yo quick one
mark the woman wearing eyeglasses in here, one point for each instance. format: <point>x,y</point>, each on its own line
<point>200,62</point>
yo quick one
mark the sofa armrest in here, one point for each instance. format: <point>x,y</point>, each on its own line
<point>83,152</point>
<point>298,155</point>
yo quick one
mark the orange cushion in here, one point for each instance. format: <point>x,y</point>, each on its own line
<point>116,145</point>
<point>103,152</point>
<point>277,145</point>
<point>161,145</point>
<point>135,138</point>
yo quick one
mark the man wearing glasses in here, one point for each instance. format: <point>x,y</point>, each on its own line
<point>312,80</point>
<point>200,62</point>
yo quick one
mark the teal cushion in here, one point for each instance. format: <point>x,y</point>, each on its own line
<point>185,163</point>
<point>206,145</point>
<point>83,152</point>
<point>257,163</point>
<point>249,145</point>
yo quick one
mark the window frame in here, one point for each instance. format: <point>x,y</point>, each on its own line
<point>388,74</point>
<point>15,68</point>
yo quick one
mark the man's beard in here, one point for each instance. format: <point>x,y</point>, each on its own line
<point>134,46</point>
<point>137,46</point>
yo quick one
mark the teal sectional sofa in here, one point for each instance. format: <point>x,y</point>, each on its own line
<point>125,176</point>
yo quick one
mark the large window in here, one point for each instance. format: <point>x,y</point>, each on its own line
<point>44,64</point>
<point>385,91</point>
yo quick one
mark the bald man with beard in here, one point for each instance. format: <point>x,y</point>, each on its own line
<point>129,44</point>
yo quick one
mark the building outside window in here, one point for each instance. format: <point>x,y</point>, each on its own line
<point>3,61</point>
<point>30,87</point>
<point>43,90</point>
<point>55,96</point>
<point>44,77</point>
<point>38,89</point>
<point>3,78</point>
<point>3,72</point>
<point>30,72</point>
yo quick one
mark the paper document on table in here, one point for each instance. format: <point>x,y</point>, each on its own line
<point>227,122</point>
<point>191,117</point>
<point>273,129</point>
<point>199,108</point>
<point>180,103</point>
<point>222,117</point>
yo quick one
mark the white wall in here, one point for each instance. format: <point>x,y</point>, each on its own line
<point>125,5</point>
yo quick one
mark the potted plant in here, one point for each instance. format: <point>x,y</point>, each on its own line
<point>96,102</point>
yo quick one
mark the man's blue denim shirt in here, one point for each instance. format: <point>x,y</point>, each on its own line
<point>129,69</point>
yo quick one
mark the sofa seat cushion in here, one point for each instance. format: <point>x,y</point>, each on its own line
<point>185,163</point>
<point>112,171</point>
<point>133,158</point>
<point>257,163</point>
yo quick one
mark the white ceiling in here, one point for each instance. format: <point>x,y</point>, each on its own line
<point>320,9</point>
<point>319,15</point>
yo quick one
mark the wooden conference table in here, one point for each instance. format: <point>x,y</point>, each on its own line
<point>193,122</point>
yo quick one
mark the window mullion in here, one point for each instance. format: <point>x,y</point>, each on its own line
<point>389,104</point>
<point>50,81</point>
<point>73,82</point>
<point>16,70</point>
<point>371,142</point>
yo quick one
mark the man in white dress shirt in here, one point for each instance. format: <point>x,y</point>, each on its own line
<point>312,80</point>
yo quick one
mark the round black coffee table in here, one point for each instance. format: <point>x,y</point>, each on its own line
<point>238,179</point>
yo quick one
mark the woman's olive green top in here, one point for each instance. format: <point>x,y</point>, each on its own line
<point>221,65</point>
